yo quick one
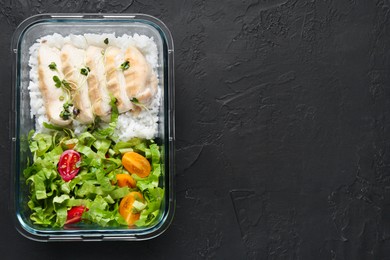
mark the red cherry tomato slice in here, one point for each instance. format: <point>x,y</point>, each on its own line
<point>75,214</point>
<point>67,164</point>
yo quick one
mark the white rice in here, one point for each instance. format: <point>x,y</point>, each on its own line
<point>143,125</point>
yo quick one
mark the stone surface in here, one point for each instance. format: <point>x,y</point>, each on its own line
<point>283,129</point>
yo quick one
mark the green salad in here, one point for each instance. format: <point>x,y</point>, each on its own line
<point>91,178</point>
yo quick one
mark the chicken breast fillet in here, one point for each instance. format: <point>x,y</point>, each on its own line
<point>73,60</point>
<point>54,97</point>
<point>97,85</point>
<point>116,84</point>
<point>141,81</point>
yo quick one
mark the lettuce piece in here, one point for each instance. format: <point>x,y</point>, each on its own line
<point>138,206</point>
<point>52,127</point>
<point>87,189</point>
<point>87,139</point>
<point>39,186</point>
<point>102,146</point>
<point>60,207</point>
<point>59,129</point>
<point>119,193</point>
<point>109,131</point>
<point>101,213</point>
<point>150,214</point>
<point>42,214</point>
<point>152,193</point>
<point>125,145</point>
<point>155,153</point>
<point>87,151</point>
<point>151,181</point>
<point>77,202</point>
<point>109,199</point>
<point>40,144</point>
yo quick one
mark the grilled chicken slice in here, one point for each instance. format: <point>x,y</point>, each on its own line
<point>97,85</point>
<point>73,60</point>
<point>116,84</point>
<point>53,97</point>
<point>141,82</point>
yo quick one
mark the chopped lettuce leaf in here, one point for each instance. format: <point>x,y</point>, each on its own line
<point>39,187</point>
<point>99,212</point>
<point>138,206</point>
<point>108,131</point>
<point>40,144</point>
<point>126,145</point>
<point>102,146</point>
<point>60,207</point>
<point>150,214</point>
<point>119,193</point>
<point>87,139</point>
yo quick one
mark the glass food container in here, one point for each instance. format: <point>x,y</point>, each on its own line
<point>26,35</point>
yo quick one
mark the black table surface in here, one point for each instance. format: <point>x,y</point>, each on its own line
<point>282,130</point>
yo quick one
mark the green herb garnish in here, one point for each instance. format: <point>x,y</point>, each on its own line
<point>66,84</point>
<point>65,113</point>
<point>67,105</point>
<point>106,41</point>
<point>104,133</point>
<point>135,101</point>
<point>53,66</point>
<point>125,65</point>
<point>57,81</point>
<point>85,71</point>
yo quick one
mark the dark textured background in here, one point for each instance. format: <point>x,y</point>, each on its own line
<point>282,130</point>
